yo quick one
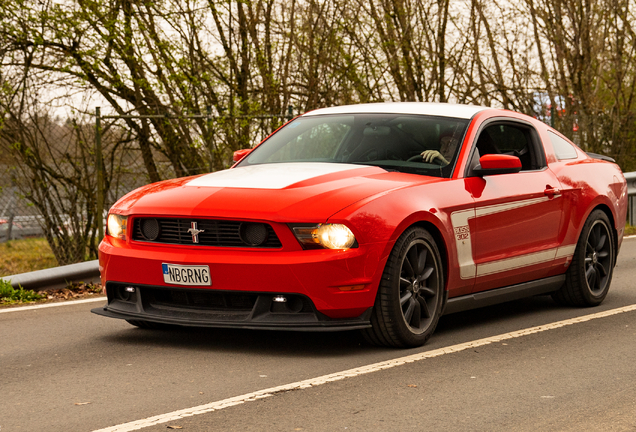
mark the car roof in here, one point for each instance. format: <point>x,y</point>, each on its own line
<point>423,108</point>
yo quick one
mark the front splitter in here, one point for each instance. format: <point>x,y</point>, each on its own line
<point>275,322</point>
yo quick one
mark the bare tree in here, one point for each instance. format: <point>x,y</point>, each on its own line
<point>587,51</point>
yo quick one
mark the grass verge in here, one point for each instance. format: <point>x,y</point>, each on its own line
<point>26,255</point>
<point>10,295</point>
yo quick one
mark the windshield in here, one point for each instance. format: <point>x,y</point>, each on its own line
<point>408,143</point>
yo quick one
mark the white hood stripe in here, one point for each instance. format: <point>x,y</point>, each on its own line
<point>269,176</point>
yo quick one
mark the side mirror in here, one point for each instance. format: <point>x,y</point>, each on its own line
<point>492,164</point>
<point>240,154</point>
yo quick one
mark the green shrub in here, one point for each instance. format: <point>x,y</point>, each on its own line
<point>8,294</point>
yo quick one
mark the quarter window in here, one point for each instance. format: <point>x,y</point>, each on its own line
<point>562,148</point>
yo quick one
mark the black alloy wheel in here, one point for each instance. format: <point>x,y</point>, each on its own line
<point>409,300</point>
<point>417,299</point>
<point>589,276</point>
<point>598,258</point>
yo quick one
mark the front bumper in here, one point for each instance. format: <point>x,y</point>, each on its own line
<point>209,308</point>
<point>339,284</point>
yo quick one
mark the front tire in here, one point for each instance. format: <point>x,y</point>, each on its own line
<point>589,276</point>
<point>410,296</point>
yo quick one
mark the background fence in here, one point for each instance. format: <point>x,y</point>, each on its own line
<point>18,219</point>
<point>60,177</point>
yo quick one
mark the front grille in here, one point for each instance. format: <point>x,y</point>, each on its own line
<point>212,233</point>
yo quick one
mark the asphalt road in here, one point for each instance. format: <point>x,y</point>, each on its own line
<point>65,369</point>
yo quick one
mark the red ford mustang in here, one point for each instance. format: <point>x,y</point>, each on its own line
<point>378,217</point>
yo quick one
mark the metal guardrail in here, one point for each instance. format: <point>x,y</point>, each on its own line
<point>56,277</point>
<point>631,192</point>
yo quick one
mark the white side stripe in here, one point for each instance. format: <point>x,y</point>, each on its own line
<point>525,260</point>
<point>498,208</point>
<point>459,219</point>
<point>467,267</point>
<point>565,251</point>
<point>516,262</point>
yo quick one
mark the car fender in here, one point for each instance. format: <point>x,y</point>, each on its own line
<point>584,193</point>
<point>384,218</point>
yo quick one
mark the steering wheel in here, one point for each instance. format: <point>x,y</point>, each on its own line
<point>375,153</point>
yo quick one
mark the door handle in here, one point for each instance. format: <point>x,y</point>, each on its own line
<point>551,192</point>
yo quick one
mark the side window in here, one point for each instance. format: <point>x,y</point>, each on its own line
<point>562,148</point>
<point>511,139</point>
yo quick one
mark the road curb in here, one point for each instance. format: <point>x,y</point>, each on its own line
<point>56,277</point>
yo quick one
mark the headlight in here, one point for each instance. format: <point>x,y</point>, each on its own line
<point>329,236</point>
<point>117,226</point>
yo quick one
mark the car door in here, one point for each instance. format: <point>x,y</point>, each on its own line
<point>517,216</point>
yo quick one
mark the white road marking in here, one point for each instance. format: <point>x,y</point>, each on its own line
<point>48,305</point>
<point>312,382</point>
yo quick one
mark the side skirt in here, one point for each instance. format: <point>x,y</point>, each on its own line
<point>501,295</point>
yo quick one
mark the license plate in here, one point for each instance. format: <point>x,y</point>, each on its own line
<point>186,275</point>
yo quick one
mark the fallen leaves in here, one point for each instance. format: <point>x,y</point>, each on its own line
<point>73,291</point>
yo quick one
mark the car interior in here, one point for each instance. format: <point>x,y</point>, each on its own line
<point>509,139</point>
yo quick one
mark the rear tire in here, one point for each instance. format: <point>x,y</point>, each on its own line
<point>589,276</point>
<point>411,293</point>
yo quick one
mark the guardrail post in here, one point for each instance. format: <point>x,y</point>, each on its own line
<point>12,204</point>
<point>100,173</point>
<point>11,217</point>
<point>630,177</point>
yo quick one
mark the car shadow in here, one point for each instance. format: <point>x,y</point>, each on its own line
<point>504,317</point>
<point>276,343</point>
<point>498,314</point>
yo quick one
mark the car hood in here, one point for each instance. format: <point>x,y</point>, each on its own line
<point>285,192</point>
